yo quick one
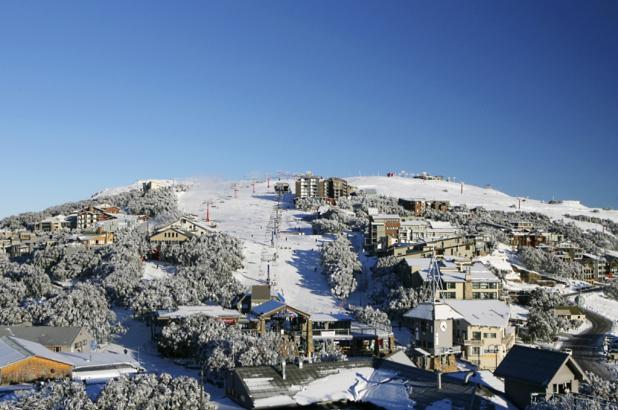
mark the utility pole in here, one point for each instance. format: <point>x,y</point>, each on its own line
<point>462,188</point>
<point>253,185</point>
<point>268,186</point>
<point>202,386</point>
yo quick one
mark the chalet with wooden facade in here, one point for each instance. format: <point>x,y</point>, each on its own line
<point>23,361</point>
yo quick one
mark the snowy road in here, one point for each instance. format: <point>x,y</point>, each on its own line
<point>587,346</point>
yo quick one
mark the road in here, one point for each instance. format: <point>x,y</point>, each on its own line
<point>587,346</point>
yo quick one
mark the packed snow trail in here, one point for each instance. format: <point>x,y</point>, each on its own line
<point>278,244</point>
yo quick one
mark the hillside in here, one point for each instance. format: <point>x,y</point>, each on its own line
<point>473,196</point>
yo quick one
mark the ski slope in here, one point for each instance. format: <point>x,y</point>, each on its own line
<point>293,258</point>
<point>473,196</point>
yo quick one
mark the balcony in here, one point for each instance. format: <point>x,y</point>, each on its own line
<point>473,342</point>
<point>445,350</point>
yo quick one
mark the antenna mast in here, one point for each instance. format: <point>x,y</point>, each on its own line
<point>435,278</point>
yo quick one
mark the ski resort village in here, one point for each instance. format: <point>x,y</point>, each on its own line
<point>401,291</point>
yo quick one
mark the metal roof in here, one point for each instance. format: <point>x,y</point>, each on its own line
<point>13,349</point>
<point>45,335</point>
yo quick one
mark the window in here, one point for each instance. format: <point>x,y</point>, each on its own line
<point>476,350</point>
<point>451,285</point>
<point>57,348</point>
<point>476,335</point>
<point>489,335</point>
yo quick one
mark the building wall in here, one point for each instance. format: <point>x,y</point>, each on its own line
<point>166,236</point>
<point>491,350</point>
<point>32,369</point>
<point>519,393</point>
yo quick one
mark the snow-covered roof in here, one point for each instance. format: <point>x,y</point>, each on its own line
<point>83,361</point>
<point>485,312</point>
<point>385,216</point>
<point>213,311</point>
<point>13,349</point>
<point>440,224</point>
<point>478,273</point>
<point>267,307</point>
<point>330,317</point>
<point>414,222</point>
<point>519,312</point>
<point>433,311</point>
<point>54,219</point>
<point>593,257</point>
<point>45,335</point>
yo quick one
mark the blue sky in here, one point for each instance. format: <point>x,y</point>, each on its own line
<point>521,95</point>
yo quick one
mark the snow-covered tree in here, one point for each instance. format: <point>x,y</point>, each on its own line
<point>323,226</point>
<point>149,391</point>
<point>330,352</point>
<point>62,394</point>
<point>218,346</point>
<point>215,250</point>
<point>372,317</point>
<point>340,263</point>
<point>543,325</point>
<point>543,261</point>
<point>84,305</point>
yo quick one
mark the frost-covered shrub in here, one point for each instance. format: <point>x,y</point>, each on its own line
<point>339,263</point>
<point>151,391</point>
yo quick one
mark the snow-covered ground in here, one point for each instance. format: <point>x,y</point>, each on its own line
<point>363,384</point>
<point>604,306</point>
<point>294,260</point>
<point>136,185</point>
<point>472,196</point>
<point>158,270</point>
<point>139,346</point>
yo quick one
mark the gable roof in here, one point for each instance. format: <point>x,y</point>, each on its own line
<point>173,228</point>
<point>535,366</point>
<point>13,350</point>
<point>45,335</point>
<point>273,306</point>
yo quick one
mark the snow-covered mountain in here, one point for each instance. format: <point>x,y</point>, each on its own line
<point>473,195</point>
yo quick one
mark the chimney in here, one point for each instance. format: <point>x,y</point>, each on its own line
<point>469,274</point>
<point>439,380</point>
<point>283,369</point>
